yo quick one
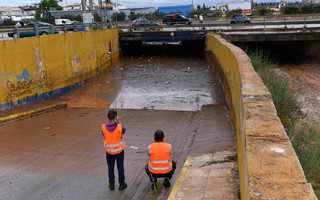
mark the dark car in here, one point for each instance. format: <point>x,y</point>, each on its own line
<point>32,33</point>
<point>240,19</point>
<point>144,23</point>
<point>176,19</point>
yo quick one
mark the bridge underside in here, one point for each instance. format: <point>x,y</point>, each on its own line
<point>162,37</point>
<point>271,36</point>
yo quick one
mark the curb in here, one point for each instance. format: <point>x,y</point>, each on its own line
<point>178,183</point>
<point>32,112</point>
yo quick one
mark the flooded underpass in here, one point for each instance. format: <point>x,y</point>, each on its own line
<point>60,154</point>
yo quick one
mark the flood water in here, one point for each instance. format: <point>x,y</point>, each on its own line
<point>163,82</point>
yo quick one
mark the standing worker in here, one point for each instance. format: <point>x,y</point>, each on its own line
<point>201,18</point>
<point>160,163</point>
<point>114,145</point>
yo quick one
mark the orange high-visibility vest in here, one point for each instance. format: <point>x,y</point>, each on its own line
<point>160,161</point>
<point>113,141</point>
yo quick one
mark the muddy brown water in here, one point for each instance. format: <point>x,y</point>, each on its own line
<point>60,155</point>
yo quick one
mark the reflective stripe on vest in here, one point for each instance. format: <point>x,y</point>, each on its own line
<point>156,162</point>
<point>160,161</point>
<point>113,141</point>
<point>161,168</point>
<point>113,145</point>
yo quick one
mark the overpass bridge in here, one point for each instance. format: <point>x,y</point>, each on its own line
<point>66,163</point>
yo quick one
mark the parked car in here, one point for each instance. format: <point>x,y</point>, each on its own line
<point>240,18</point>
<point>32,33</point>
<point>144,23</point>
<point>176,19</point>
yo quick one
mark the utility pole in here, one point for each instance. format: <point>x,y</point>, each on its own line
<point>90,5</point>
<point>83,2</point>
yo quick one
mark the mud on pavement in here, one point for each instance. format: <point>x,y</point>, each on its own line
<point>60,155</point>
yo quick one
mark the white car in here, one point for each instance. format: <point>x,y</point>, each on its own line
<point>64,21</point>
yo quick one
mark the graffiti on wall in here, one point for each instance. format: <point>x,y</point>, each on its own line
<point>27,83</point>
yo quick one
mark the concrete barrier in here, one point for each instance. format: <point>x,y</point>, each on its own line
<point>43,67</point>
<point>268,165</point>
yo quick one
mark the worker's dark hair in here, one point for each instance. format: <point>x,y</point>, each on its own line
<point>158,135</point>
<point>112,114</point>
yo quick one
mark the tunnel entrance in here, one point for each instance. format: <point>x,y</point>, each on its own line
<point>184,49</point>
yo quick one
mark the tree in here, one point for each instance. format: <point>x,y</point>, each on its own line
<point>119,16</point>
<point>45,5</point>
<point>198,7</point>
<point>96,17</point>
<point>204,7</point>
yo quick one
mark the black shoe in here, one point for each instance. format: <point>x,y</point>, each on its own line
<point>124,186</point>
<point>166,182</point>
<point>111,187</point>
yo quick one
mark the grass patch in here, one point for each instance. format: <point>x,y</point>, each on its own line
<point>305,138</point>
<point>284,97</point>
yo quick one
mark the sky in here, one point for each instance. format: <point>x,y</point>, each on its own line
<point>139,3</point>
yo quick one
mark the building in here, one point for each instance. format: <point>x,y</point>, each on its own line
<point>118,6</point>
<point>106,6</point>
<point>63,4</point>
<point>74,7</point>
<point>183,9</point>
<point>6,10</point>
<point>142,11</point>
<point>28,10</point>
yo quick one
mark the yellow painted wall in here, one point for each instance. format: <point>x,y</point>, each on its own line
<point>268,165</point>
<point>231,85</point>
<point>31,67</point>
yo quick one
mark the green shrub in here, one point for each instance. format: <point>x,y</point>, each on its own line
<point>287,10</point>
<point>264,11</point>
<point>8,22</point>
<point>306,142</point>
<point>283,96</point>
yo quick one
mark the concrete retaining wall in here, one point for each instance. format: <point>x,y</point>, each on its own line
<point>268,165</point>
<point>43,67</point>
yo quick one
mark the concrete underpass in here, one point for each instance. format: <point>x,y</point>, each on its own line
<point>212,106</point>
<point>59,155</point>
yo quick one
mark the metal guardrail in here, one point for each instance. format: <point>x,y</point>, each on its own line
<point>227,23</point>
<point>65,28</point>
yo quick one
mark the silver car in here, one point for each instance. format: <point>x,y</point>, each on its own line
<point>239,19</point>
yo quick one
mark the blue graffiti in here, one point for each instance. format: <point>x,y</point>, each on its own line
<point>25,76</point>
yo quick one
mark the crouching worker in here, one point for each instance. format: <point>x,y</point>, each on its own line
<point>160,164</point>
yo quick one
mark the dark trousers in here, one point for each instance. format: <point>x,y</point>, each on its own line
<point>110,161</point>
<point>168,175</point>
